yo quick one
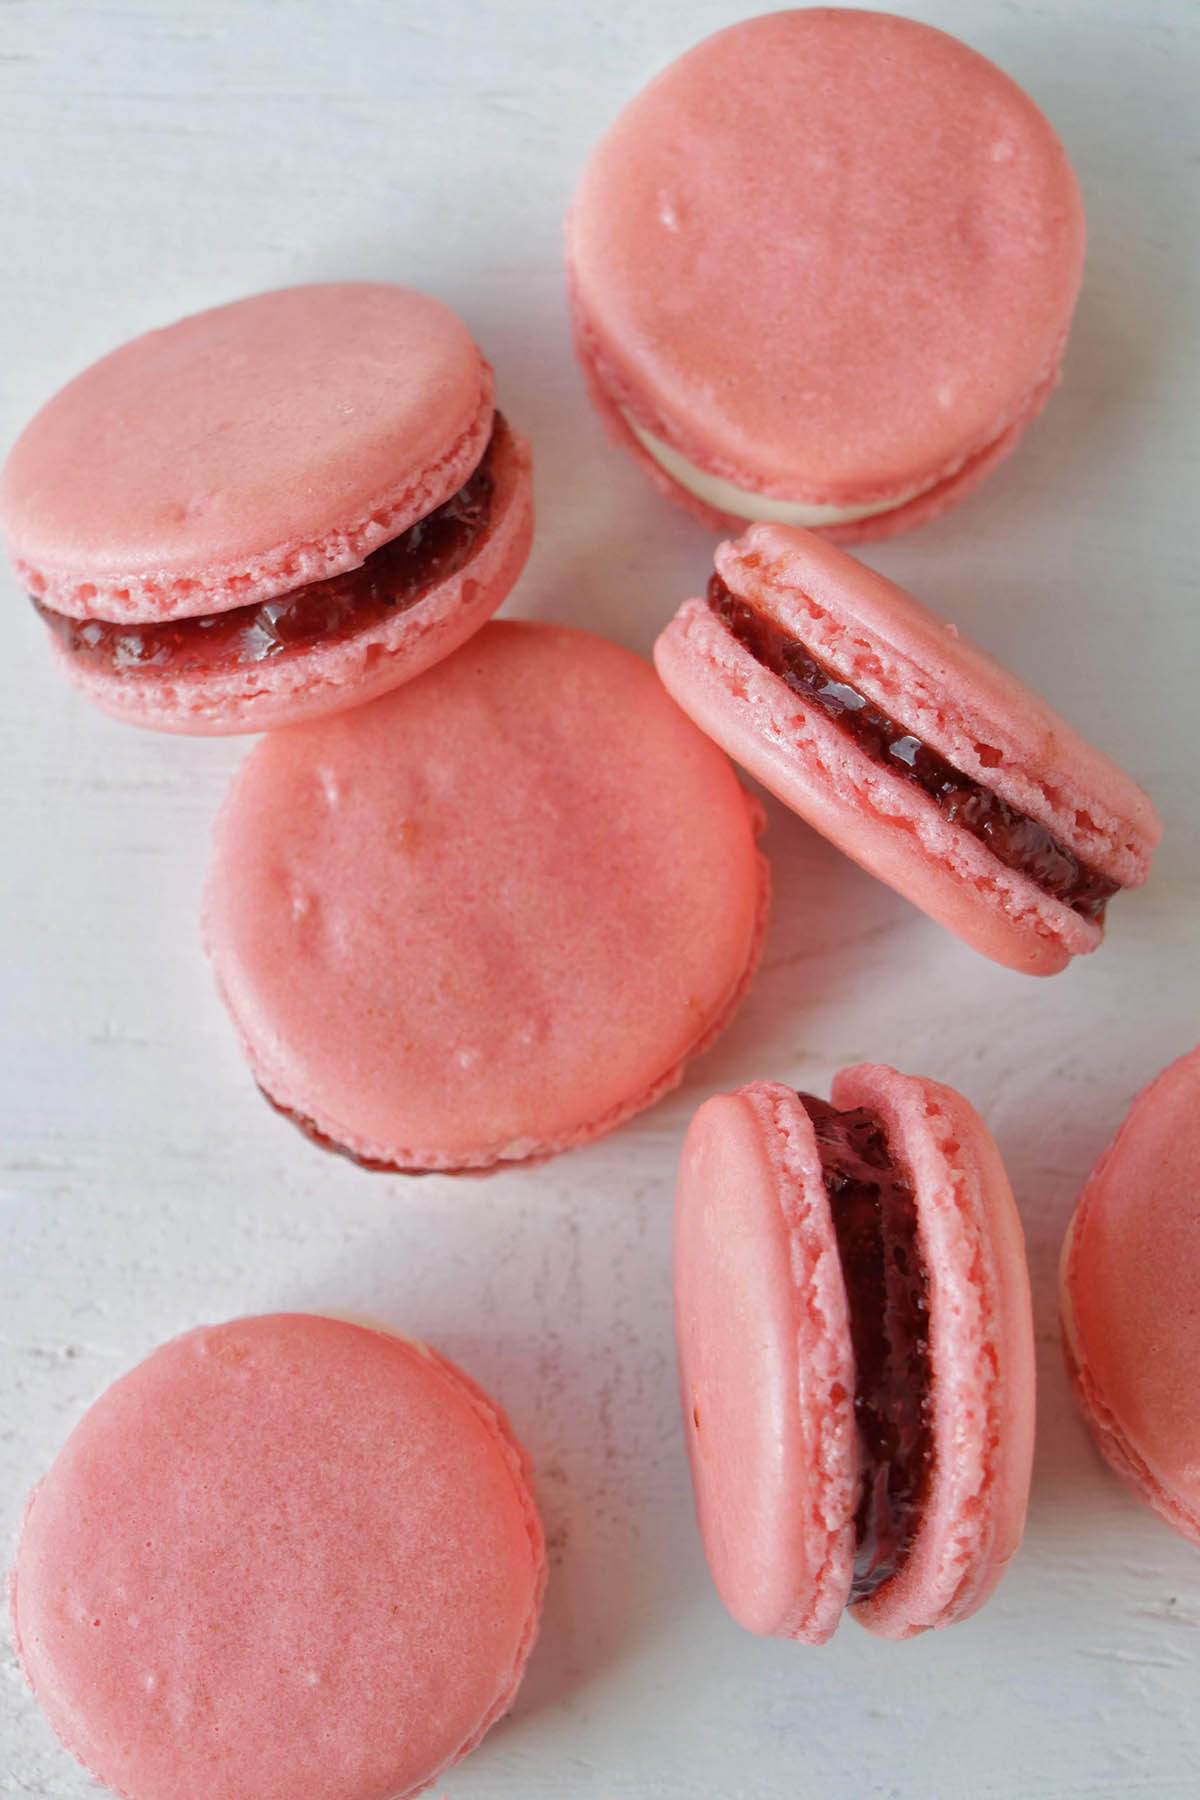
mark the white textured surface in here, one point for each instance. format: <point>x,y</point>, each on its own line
<point>160,157</point>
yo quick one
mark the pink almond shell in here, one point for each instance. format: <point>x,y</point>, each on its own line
<point>947,690</point>
<point>216,1568</point>
<point>980,1346</point>
<point>934,279</point>
<point>244,451</point>
<point>449,972</point>
<point>1131,1326</point>
<point>774,1455</point>
<point>765,1366</point>
<point>326,677</point>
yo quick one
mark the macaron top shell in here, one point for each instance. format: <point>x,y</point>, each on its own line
<point>949,691</point>
<point>1130,1312</point>
<point>490,915</point>
<point>244,451</point>
<point>767,1367</point>
<point>287,1558</point>
<point>827,254</point>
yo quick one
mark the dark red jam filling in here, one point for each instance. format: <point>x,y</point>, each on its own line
<point>317,1136</point>
<point>378,1165</point>
<point>1018,841</point>
<point>874,1217</point>
<point>389,581</point>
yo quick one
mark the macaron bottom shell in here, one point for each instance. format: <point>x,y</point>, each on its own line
<point>981,1352</point>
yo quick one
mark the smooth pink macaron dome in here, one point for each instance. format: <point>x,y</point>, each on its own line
<point>767,1365</point>
<point>1130,1280</point>
<point>491,915</point>
<point>287,1558</point>
<point>830,256</point>
<point>244,451</point>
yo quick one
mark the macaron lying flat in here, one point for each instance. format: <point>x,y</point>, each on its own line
<point>855,1347</point>
<point>1129,1279</point>
<point>822,271</point>
<point>286,1558</point>
<point>269,511</point>
<point>908,747</point>
<point>491,915</point>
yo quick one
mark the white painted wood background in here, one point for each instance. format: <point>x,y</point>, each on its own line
<point>156,158</point>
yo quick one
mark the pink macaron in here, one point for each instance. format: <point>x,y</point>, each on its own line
<point>286,1558</point>
<point>269,511</point>
<point>855,1347</point>
<point>822,271</point>
<point>908,747</point>
<point>1129,1282</point>
<point>490,915</point>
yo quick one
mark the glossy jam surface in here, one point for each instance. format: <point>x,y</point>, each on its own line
<point>390,580</point>
<point>1019,842</point>
<point>874,1216</point>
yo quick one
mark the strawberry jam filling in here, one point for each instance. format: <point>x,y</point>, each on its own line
<point>874,1218</point>
<point>1019,842</point>
<point>389,581</point>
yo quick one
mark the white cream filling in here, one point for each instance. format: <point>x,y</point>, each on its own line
<point>742,503</point>
<point>368,1324</point>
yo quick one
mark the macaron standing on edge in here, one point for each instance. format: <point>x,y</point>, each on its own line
<point>284,1558</point>
<point>1129,1279</point>
<point>855,1346</point>
<point>822,271</point>
<point>270,510</point>
<point>491,915</point>
<point>908,747</point>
